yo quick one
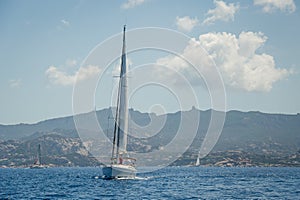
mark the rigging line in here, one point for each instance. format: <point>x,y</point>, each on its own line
<point>117,120</point>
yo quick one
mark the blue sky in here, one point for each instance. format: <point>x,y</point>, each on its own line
<point>254,43</point>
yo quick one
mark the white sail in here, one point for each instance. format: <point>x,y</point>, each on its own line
<point>123,103</point>
<point>198,161</point>
<point>38,160</point>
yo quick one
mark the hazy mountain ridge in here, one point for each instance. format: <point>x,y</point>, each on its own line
<point>252,134</point>
<point>256,125</point>
<point>56,150</point>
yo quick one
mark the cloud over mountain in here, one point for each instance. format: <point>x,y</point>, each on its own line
<point>240,64</point>
<point>235,56</point>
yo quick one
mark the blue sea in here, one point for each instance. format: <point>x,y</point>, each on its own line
<point>167,183</point>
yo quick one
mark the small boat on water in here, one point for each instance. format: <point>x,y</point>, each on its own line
<point>197,161</point>
<point>38,161</point>
<point>121,166</point>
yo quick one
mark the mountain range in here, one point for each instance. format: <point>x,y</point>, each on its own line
<point>250,138</point>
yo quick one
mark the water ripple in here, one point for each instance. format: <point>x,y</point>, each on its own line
<point>168,183</point>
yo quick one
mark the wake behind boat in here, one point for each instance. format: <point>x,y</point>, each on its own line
<point>121,166</point>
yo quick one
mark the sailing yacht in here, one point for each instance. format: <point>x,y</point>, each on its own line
<point>38,161</point>
<point>198,161</point>
<point>121,165</point>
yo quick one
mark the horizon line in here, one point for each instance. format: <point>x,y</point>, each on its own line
<point>171,112</point>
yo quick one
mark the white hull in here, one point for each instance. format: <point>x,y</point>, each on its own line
<point>119,171</point>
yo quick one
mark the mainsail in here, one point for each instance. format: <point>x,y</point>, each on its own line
<point>121,121</point>
<point>38,160</point>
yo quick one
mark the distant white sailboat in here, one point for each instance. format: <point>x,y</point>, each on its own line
<point>121,165</point>
<point>197,161</point>
<point>38,161</point>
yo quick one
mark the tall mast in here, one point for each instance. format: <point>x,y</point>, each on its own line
<point>123,103</point>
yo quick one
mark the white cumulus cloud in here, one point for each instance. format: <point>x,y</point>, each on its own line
<point>58,77</point>
<point>65,22</point>
<point>272,5</point>
<point>132,3</point>
<point>186,23</point>
<point>222,12</point>
<point>235,56</point>
<point>15,83</point>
